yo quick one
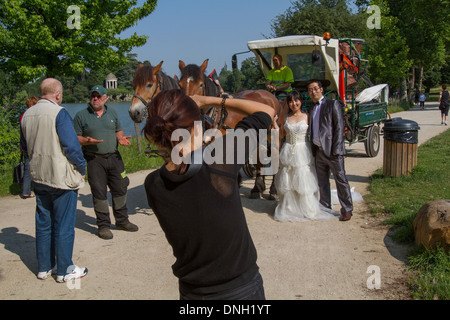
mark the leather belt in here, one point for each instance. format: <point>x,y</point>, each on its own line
<point>106,155</point>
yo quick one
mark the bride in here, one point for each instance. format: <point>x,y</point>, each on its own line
<point>296,179</point>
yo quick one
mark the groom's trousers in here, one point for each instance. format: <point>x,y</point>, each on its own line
<point>335,164</point>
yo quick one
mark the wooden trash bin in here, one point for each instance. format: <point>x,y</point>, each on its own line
<point>400,147</point>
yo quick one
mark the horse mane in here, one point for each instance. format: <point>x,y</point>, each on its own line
<point>211,88</point>
<point>169,82</point>
<point>144,74</point>
<point>192,70</point>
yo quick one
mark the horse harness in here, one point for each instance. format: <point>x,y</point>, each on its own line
<point>159,84</point>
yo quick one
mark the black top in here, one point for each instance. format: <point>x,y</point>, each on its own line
<point>444,98</point>
<point>201,215</point>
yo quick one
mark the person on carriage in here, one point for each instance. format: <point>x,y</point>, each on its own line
<point>279,79</point>
<point>198,204</point>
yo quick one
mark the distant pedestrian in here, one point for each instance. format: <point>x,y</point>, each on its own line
<point>444,104</point>
<point>416,97</point>
<point>422,99</point>
<point>27,183</point>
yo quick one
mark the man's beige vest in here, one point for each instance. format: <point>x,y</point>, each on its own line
<point>48,163</point>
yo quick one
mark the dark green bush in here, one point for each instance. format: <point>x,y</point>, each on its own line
<point>10,135</point>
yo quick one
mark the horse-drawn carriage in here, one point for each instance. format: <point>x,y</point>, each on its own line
<point>340,65</point>
<point>336,63</point>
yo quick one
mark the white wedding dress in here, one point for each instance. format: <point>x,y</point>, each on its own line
<point>296,180</point>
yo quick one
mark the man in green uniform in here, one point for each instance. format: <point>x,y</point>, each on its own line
<point>99,132</point>
<point>280,78</point>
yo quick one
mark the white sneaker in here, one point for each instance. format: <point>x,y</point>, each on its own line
<point>77,273</point>
<point>45,274</point>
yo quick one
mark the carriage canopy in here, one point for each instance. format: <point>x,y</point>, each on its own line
<point>309,57</point>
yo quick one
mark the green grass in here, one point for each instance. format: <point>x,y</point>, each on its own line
<point>399,106</point>
<point>430,279</point>
<point>135,161</point>
<point>402,197</point>
<point>399,200</point>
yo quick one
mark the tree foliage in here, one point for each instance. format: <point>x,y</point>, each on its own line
<point>249,77</point>
<point>424,25</point>
<point>39,37</point>
<point>315,17</point>
<point>388,53</point>
<point>413,32</point>
<point>76,88</point>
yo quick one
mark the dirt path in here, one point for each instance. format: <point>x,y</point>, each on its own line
<point>304,260</point>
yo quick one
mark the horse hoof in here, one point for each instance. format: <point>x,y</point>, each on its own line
<point>272,197</point>
<point>255,195</point>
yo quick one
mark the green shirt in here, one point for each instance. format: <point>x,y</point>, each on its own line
<point>279,77</point>
<point>88,124</point>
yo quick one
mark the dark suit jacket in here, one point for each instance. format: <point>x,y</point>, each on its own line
<point>331,130</point>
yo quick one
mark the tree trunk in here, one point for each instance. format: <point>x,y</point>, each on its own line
<point>404,90</point>
<point>412,80</point>
<point>420,79</point>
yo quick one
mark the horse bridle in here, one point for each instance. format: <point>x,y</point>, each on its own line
<point>142,99</point>
<point>159,84</point>
<point>151,152</point>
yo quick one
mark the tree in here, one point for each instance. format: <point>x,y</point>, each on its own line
<point>231,81</point>
<point>424,24</point>
<point>125,74</point>
<point>254,77</point>
<point>42,37</point>
<point>315,17</point>
<point>388,52</point>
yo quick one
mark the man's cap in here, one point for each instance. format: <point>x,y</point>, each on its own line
<point>98,88</point>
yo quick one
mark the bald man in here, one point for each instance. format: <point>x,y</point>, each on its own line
<point>57,168</point>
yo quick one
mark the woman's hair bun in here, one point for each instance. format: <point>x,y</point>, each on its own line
<point>157,121</point>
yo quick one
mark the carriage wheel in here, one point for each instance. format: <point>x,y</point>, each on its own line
<point>249,170</point>
<point>372,143</point>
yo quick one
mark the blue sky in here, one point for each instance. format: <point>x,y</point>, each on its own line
<point>195,30</point>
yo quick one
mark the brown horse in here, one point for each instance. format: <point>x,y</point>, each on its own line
<point>148,82</point>
<point>194,81</point>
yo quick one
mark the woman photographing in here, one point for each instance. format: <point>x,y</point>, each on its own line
<point>198,205</point>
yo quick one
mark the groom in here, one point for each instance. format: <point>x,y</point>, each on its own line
<point>326,126</point>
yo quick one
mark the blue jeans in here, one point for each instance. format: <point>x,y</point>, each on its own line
<point>26,184</point>
<point>55,227</point>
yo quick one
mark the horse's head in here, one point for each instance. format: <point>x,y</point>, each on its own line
<point>192,79</point>
<point>146,87</point>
